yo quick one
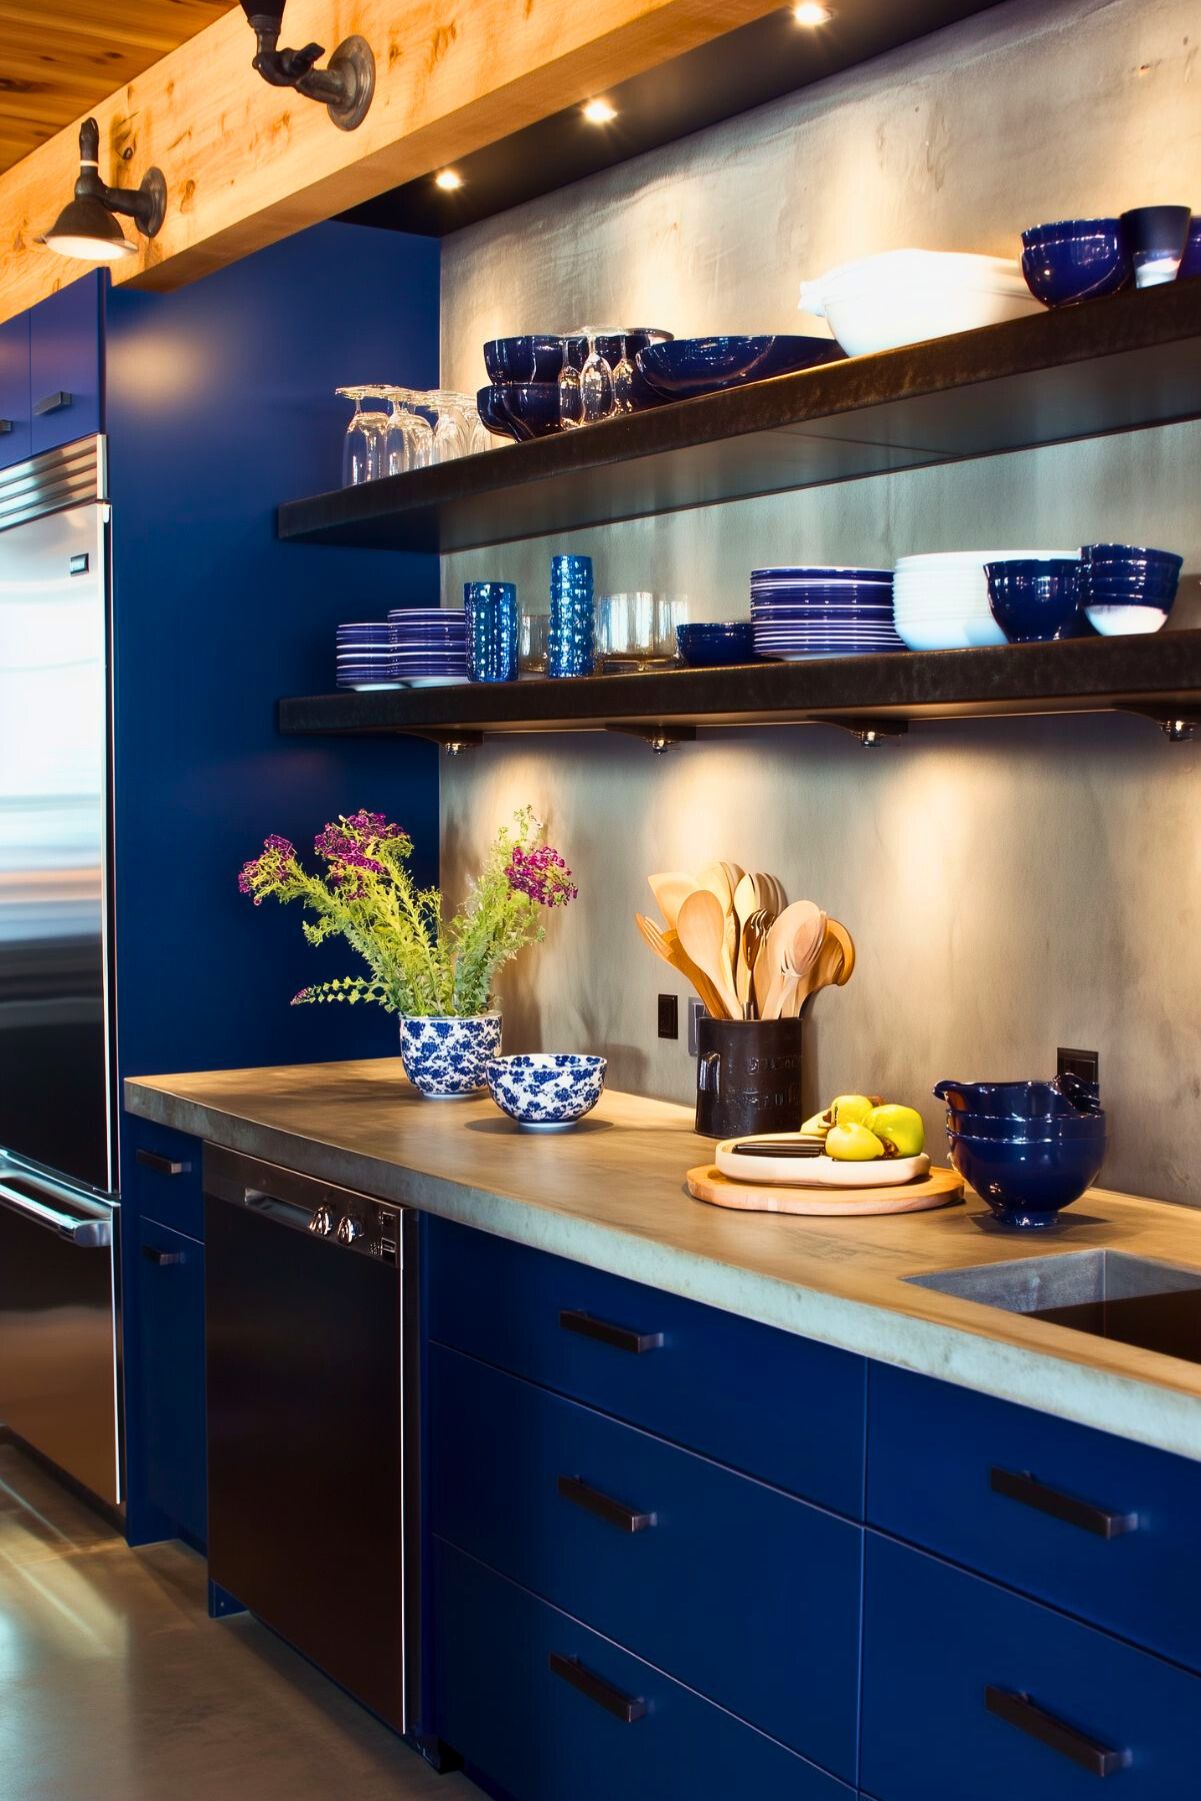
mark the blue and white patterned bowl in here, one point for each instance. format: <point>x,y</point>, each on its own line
<point>548,1092</point>
<point>444,1057</point>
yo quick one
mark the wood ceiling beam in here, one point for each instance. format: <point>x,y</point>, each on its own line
<point>247,164</point>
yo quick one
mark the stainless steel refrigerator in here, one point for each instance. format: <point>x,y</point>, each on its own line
<point>59,1216</point>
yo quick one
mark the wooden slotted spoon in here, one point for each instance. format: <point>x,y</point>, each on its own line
<point>667,946</point>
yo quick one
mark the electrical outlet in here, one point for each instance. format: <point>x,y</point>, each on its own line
<point>1085,1064</point>
<point>696,1009</point>
<point>669,1016</point>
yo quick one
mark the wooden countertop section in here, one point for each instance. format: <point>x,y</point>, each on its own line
<point>611,1194</point>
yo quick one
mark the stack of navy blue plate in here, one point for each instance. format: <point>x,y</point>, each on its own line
<point>822,611</point>
<point>367,655</point>
<point>431,646</point>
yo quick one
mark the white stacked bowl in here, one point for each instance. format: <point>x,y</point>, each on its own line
<point>940,599</point>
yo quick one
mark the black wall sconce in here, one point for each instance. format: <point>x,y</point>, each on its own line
<point>86,227</point>
<point>346,86</point>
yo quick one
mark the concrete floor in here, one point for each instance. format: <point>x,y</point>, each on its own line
<point>116,1686</point>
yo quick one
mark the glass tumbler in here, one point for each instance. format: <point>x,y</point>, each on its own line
<point>493,631</point>
<point>531,651</point>
<point>571,635</point>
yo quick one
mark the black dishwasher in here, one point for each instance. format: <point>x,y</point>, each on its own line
<point>305,1311</point>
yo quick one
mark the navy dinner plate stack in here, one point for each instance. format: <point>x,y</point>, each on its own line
<point>822,611</point>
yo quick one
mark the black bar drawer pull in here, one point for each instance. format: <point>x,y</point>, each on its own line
<point>626,1708</point>
<point>6,425</point>
<point>52,403</point>
<point>162,1166</point>
<point>1021,1486</point>
<point>1020,1711</point>
<point>622,1338</point>
<point>593,1500</point>
<point>152,1254</point>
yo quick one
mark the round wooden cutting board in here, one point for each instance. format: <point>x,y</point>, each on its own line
<point>938,1189</point>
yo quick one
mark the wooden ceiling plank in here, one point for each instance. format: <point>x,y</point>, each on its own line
<point>247,164</point>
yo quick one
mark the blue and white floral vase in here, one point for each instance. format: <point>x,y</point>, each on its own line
<point>446,1058</point>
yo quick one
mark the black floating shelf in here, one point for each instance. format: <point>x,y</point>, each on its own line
<point>1119,364</point>
<point>1159,676</point>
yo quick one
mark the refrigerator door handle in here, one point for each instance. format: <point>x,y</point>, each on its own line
<point>88,1234</point>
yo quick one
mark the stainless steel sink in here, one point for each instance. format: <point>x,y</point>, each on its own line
<point>1112,1295</point>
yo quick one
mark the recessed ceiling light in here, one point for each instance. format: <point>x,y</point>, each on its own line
<point>812,12</point>
<point>599,112</point>
<point>448,180</point>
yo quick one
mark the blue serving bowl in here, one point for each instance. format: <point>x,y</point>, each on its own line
<point>705,645</point>
<point>1101,593</point>
<point>1132,558</point>
<point>1076,259</point>
<point>548,1092</point>
<point>1027,1184</point>
<point>535,356</point>
<point>531,408</point>
<point>1001,1129</point>
<point>689,366</point>
<point>1060,1098</point>
<point>1190,262</point>
<point>1034,600</point>
<point>492,411</point>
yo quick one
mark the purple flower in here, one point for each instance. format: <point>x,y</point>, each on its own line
<point>542,875</point>
<point>268,868</point>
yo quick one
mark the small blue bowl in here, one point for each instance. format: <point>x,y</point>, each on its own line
<point>1190,262</point>
<point>546,1093</point>
<point>1132,556</point>
<point>690,366</point>
<point>715,646</point>
<point>537,356</point>
<point>1026,1184</point>
<point>1076,259</point>
<point>491,410</point>
<point>1062,1098</point>
<point>531,408</point>
<point>1034,600</point>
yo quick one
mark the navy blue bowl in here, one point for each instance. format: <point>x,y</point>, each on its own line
<point>1100,591</point>
<point>704,645</point>
<point>492,411</point>
<point>1058,1099</point>
<point>537,356</point>
<point>999,1128</point>
<point>1158,237</point>
<point>1034,600</point>
<point>1190,262</point>
<point>531,408</point>
<point>1026,1185</point>
<point>689,366</point>
<point>1076,259</point>
<point>1132,556</point>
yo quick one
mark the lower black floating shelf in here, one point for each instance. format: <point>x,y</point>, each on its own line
<point>1159,676</point>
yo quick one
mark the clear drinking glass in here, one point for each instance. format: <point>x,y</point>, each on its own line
<point>637,630</point>
<point>623,380</point>
<point>364,456</point>
<point>531,644</point>
<point>409,443</point>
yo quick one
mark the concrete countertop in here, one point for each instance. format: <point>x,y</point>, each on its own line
<point>611,1194</point>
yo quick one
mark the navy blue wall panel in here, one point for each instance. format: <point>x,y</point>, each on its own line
<point>220,404</point>
<point>66,364</point>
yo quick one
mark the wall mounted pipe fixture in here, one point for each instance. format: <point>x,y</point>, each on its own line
<point>346,86</point>
<point>86,228</point>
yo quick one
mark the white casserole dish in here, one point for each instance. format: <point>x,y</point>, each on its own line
<point>907,296</point>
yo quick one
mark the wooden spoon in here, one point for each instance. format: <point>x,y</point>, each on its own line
<point>745,904</point>
<point>753,934</point>
<point>671,890</point>
<point>835,960</point>
<point>702,929</point>
<point>800,955</point>
<point>667,945</point>
<point>800,928</point>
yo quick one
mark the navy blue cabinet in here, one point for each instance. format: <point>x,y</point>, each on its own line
<point>14,390</point>
<point>170,1293</point>
<point>740,1591</point>
<point>66,365</point>
<point>969,1690</point>
<point>1103,1529</point>
<point>547,1709</point>
<point>165,1181</point>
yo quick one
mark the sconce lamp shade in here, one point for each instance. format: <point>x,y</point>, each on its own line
<point>86,229</point>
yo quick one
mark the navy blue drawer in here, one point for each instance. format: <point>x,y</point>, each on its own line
<point>948,1469</point>
<point>777,1406</point>
<point>735,1588</point>
<point>939,1643</point>
<point>171,1370</point>
<point>163,1173</point>
<point>546,1709</point>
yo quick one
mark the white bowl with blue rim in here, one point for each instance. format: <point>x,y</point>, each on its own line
<point>546,1091</point>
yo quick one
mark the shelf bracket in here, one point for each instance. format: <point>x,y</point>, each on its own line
<point>871,733</point>
<point>659,737</point>
<point>1179,725</point>
<point>454,743</point>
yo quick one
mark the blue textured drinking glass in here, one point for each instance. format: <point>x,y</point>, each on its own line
<point>493,631</point>
<point>571,635</point>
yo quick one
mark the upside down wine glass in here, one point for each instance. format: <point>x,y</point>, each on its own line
<point>364,455</point>
<point>596,379</point>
